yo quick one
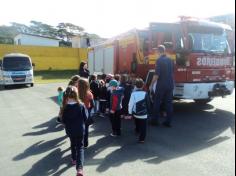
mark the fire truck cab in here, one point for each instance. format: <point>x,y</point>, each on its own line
<point>204,65</point>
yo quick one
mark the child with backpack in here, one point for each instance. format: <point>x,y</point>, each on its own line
<point>138,108</point>
<point>74,118</point>
<point>117,94</point>
<point>128,89</point>
<point>102,98</point>
<point>94,87</point>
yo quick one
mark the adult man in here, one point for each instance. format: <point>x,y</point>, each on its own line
<point>164,87</point>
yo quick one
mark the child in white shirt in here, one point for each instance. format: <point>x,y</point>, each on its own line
<point>138,108</point>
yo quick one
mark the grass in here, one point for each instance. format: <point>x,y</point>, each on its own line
<point>44,77</point>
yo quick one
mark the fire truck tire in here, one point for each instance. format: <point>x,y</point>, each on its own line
<point>203,101</point>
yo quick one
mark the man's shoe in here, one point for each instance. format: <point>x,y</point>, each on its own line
<point>167,124</point>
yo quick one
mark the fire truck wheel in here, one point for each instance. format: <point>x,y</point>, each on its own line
<point>203,101</point>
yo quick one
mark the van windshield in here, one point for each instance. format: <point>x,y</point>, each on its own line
<point>16,64</point>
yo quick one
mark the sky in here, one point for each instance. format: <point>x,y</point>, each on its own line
<point>108,18</point>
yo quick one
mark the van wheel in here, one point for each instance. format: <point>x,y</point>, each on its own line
<point>203,101</point>
<point>32,85</point>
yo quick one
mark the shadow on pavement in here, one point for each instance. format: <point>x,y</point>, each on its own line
<point>195,129</point>
<point>48,127</point>
<point>54,99</point>
<point>50,164</point>
<point>40,147</point>
<point>13,87</point>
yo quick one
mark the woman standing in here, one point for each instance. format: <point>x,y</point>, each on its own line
<point>83,70</point>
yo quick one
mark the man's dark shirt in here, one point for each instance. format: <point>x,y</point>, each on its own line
<point>165,71</point>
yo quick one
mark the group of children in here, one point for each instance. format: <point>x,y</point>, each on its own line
<point>116,96</point>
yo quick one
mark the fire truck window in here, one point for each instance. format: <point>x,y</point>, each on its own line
<point>145,45</point>
<point>154,40</point>
<point>167,37</point>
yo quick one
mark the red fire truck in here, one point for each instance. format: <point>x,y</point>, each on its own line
<point>204,64</point>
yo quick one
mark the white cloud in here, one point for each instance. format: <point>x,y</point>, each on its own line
<point>109,17</point>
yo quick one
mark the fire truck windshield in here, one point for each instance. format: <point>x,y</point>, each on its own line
<point>208,42</point>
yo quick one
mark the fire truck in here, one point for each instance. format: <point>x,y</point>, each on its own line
<point>204,64</point>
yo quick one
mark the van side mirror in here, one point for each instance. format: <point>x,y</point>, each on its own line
<point>0,64</point>
<point>33,64</point>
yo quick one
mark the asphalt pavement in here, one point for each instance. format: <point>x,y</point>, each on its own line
<point>200,143</point>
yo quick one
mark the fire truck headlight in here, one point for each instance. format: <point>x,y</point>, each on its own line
<point>188,63</point>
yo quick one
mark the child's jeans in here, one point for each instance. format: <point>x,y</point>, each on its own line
<point>96,108</point>
<point>103,106</point>
<point>141,128</point>
<point>116,123</point>
<point>77,151</point>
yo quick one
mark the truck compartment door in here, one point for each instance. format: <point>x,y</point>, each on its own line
<point>91,61</point>
<point>98,60</point>
<point>109,57</point>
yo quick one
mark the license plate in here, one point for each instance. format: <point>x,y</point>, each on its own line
<point>18,79</point>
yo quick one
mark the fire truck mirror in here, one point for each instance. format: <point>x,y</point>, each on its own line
<point>169,45</point>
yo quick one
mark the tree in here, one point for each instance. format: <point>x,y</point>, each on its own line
<point>43,29</point>
<point>21,28</point>
<point>7,34</point>
<point>67,30</point>
<point>63,31</point>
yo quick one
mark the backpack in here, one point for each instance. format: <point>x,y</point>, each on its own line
<point>142,107</point>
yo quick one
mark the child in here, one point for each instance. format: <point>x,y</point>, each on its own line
<point>94,86</point>
<point>103,97</point>
<point>60,91</point>
<point>117,77</point>
<point>117,94</point>
<point>86,97</point>
<point>128,89</point>
<point>74,118</point>
<point>75,78</point>
<point>138,107</point>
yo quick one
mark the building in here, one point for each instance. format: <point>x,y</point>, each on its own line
<point>35,40</point>
<point>83,41</point>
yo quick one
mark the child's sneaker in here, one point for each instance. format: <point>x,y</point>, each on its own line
<point>80,172</point>
<point>141,142</point>
<point>113,135</point>
<point>73,162</point>
<point>58,120</point>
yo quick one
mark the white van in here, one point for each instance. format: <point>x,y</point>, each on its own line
<point>15,69</point>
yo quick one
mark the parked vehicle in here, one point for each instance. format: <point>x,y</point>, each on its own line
<point>15,69</point>
<point>204,64</point>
